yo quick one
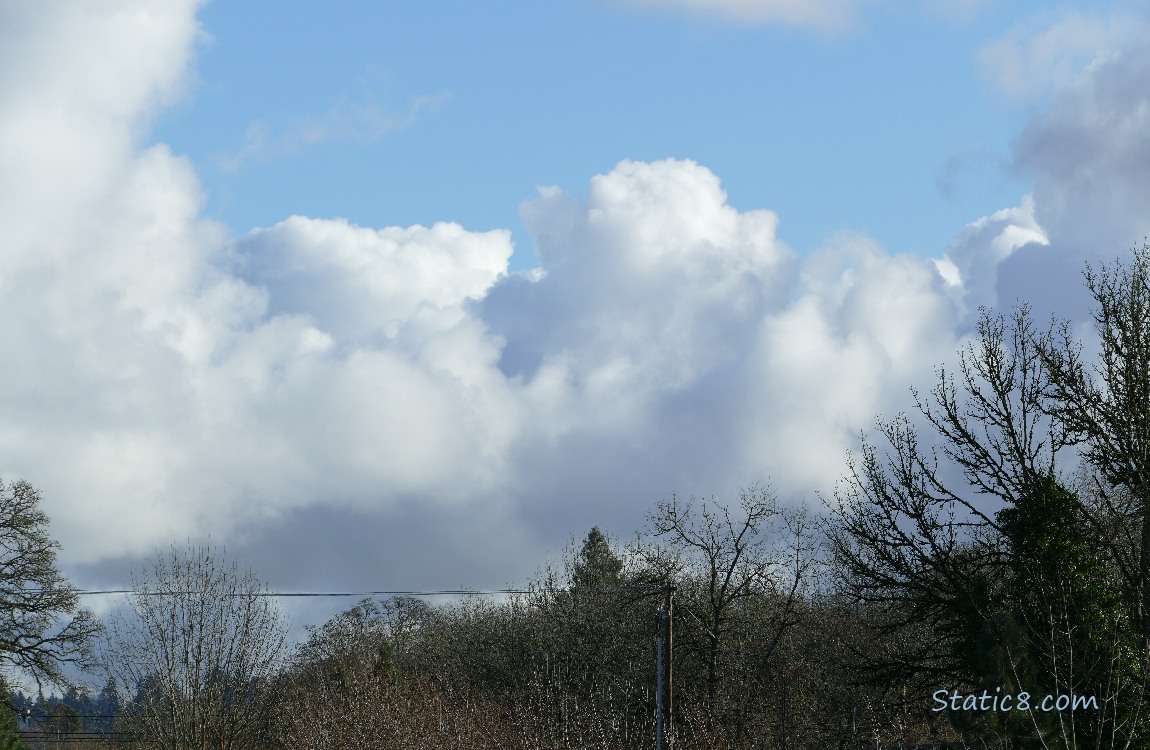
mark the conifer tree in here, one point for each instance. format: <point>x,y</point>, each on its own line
<point>597,565</point>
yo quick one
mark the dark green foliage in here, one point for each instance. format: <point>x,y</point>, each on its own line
<point>1031,597</point>
<point>1072,633</point>
<point>598,566</point>
<point>106,708</point>
<point>9,736</point>
<point>62,718</point>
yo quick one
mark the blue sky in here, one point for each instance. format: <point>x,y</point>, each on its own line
<point>457,111</point>
<point>407,295</point>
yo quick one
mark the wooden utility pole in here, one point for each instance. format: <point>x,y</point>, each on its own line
<point>668,603</point>
<point>664,730</point>
<point>660,741</point>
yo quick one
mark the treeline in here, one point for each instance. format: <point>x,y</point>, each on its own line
<point>761,653</point>
<point>572,664</point>
<point>980,578</point>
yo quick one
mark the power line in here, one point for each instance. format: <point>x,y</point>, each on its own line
<point>641,588</point>
<point>443,592</point>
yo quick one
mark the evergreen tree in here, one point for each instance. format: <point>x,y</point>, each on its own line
<point>9,736</point>
<point>108,707</point>
<point>597,565</point>
<point>62,719</point>
<point>9,727</point>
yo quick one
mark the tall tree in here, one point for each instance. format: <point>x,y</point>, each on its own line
<point>919,539</point>
<point>597,630</point>
<point>9,724</point>
<point>726,556</point>
<point>1061,626</point>
<point>597,565</point>
<point>42,627</point>
<point>1015,597</point>
<point>195,650</point>
<point>1106,405</point>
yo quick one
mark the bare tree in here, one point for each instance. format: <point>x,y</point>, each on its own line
<point>1019,596</point>
<point>1107,405</point>
<point>924,546</point>
<point>194,651</point>
<point>735,555</point>
<point>35,596</point>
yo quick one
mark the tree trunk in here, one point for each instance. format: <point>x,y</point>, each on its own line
<point>1144,572</point>
<point>712,675</point>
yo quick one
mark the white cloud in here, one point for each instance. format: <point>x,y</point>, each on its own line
<point>970,264</point>
<point>663,309</point>
<point>361,284</point>
<point>155,393</point>
<point>78,84</point>
<point>1057,51</point>
<point>824,15</point>
<point>316,382</point>
<point>173,382</point>
<point>365,120</point>
<point>863,328</point>
<point>650,283</point>
<point>831,16</point>
<point>191,384</point>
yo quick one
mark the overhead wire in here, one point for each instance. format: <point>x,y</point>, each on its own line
<point>641,588</point>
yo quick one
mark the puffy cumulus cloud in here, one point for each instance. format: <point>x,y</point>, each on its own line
<point>824,15</point>
<point>1088,155</point>
<point>696,347</point>
<point>649,283</point>
<point>296,424</point>
<point>79,271</point>
<point>204,399</point>
<point>970,264</point>
<point>863,328</point>
<point>1055,51</point>
<point>170,381</point>
<point>78,83</point>
<point>164,381</point>
<point>341,398</point>
<point>369,367</point>
<point>363,284</point>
